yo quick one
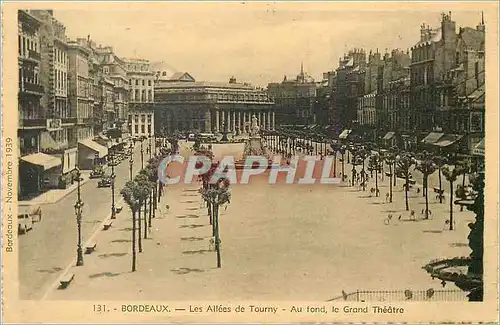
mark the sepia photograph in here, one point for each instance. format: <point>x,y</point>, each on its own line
<point>252,152</point>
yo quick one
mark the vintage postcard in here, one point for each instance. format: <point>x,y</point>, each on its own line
<point>250,162</point>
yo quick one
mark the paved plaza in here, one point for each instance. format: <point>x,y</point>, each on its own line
<point>279,242</point>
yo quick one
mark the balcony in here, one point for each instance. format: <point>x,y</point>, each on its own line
<point>36,123</point>
<point>31,88</point>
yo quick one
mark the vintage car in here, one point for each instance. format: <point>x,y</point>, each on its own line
<point>97,172</point>
<point>105,181</point>
<point>25,223</point>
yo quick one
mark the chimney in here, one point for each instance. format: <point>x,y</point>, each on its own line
<point>232,80</point>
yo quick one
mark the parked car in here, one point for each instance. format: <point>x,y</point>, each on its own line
<point>25,223</point>
<point>105,182</point>
<point>97,172</point>
<point>35,212</point>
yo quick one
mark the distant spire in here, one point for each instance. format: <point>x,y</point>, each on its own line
<point>482,18</point>
<point>301,67</point>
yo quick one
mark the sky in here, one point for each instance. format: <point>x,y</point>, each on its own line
<point>256,42</point>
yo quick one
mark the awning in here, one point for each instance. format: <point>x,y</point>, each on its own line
<point>388,136</point>
<point>94,146</point>
<point>344,134</point>
<point>479,148</point>
<point>43,160</point>
<point>447,140</point>
<point>432,137</point>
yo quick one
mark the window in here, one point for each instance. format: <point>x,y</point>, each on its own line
<point>149,118</point>
<point>143,129</point>
<point>476,71</point>
<point>136,119</point>
<point>149,128</point>
<point>130,82</point>
<point>149,82</point>
<point>143,82</point>
<point>137,82</point>
<point>105,70</point>
<point>136,129</point>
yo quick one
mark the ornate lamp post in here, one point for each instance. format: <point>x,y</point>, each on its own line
<point>113,176</point>
<point>131,160</point>
<point>78,212</point>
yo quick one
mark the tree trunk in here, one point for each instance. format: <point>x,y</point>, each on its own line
<point>209,211</point>
<point>394,167</point>
<point>426,199</point>
<point>440,187</point>
<point>390,183</point>
<point>159,192</point>
<point>376,182</point>
<point>151,199</point>
<point>343,156</point>
<point>217,237</point>
<point>424,185</point>
<point>139,228</point>
<point>406,192</point>
<point>134,254</point>
<point>451,205</point>
<point>463,185</point>
<point>335,164</point>
<point>363,176</point>
<point>146,218</point>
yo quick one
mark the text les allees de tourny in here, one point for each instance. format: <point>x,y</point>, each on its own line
<point>266,309</point>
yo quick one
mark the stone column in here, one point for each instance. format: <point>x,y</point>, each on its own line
<point>234,122</point>
<point>239,122</point>
<point>244,122</point>
<point>274,121</point>
<point>263,120</point>
<point>223,115</point>
<point>217,122</point>
<point>208,121</point>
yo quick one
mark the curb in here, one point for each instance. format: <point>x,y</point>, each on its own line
<point>21,204</point>
<point>55,284</point>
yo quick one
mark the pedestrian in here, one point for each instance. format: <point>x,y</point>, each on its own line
<point>387,195</point>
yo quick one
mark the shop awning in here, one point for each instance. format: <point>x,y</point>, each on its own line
<point>43,160</point>
<point>479,148</point>
<point>388,136</point>
<point>432,137</point>
<point>447,140</point>
<point>344,134</point>
<point>94,146</point>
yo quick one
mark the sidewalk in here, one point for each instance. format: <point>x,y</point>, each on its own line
<point>55,195</point>
<point>175,245</point>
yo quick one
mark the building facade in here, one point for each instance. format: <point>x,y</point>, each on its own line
<point>189,105</point>
<point>294,99</point>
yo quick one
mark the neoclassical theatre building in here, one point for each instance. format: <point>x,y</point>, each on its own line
<point>184,104</point>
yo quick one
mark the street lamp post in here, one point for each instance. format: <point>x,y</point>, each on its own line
<point>78,211</point>
<point>131,160</point>
<point>113,176</point>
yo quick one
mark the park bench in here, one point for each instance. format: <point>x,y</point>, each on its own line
<point>90,247</point>
<point>108,224</point>
<point>66,280</point>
